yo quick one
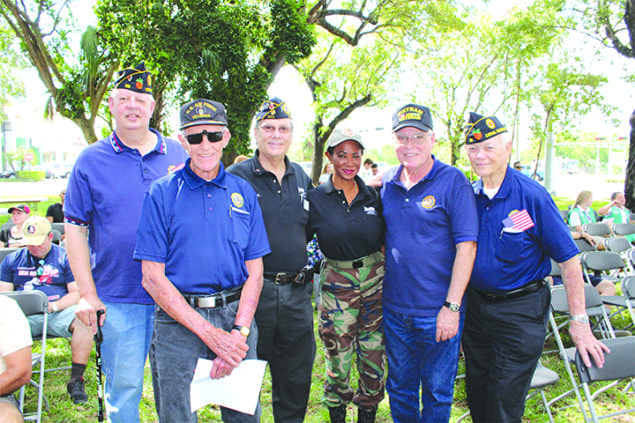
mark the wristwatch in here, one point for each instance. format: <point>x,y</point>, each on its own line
<point>452,306</point>
<point>581,318</point>
<point>244,330</point>
<point>54,307</point>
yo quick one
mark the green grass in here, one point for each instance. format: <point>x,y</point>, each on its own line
<point>63,410</point>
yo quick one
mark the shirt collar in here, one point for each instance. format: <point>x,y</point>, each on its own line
<point>505,189</point>
<point>329,188</point>
<point>430,175</point>
<point>258,169</point>
<point>119,147</point>
<point>194,181</point>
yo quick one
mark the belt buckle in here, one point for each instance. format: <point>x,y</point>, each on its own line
<point>206,302</point>
<point>358,264</point>
<point>279,278</point>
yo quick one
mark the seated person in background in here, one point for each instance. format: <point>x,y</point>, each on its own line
<point>616,212</point>
<point>582,213</point>
<point>44,267</point>
<point>15,357</point>
<point>55,212</point>
<point>12,237</point>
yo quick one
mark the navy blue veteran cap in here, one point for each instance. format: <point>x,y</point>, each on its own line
<point>412,115</point>
<point>275,108</point>
<point>135,79</point>
<point>481,128</point>
<point>202,112</point>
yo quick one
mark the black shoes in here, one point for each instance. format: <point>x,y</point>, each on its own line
<point>76,391</point>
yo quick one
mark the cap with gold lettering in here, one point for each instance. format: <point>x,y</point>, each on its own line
<point>412,115</point>
<point>203,112</point>
<point>481,128</point>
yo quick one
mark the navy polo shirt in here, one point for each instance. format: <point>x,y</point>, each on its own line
<point>346,232</point>
<point>507,260</point>
<point>105,192</point>
<point>203,231</point>
<point>423,226</point>
<point>285,210</point>
<point>22,269</point>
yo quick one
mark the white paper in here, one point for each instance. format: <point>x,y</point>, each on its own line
<point>238,391</point>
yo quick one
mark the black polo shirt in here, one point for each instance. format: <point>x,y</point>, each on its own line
<point>346,232</point>
<point>285,210</point>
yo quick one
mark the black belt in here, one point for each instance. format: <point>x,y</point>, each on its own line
<point>282,278</point>
<point>212,301</point>
<point>513,293</point>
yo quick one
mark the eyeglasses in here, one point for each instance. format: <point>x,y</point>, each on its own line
<point>270,129</point>
<point>414,139</point>
<point>198,138</point>
<point>40,268</point>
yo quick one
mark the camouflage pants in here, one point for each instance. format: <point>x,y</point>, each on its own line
<point>350,320</point>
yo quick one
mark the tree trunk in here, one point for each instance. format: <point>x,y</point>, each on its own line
<point>629,185</point>
<point>318,152</point>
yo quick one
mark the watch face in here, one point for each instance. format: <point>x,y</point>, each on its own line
<point>455,307</point>
<point>244,331</point>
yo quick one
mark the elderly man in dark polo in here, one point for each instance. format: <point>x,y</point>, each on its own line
<point>285,314</point>
<point>201,240</point>
<point>507,297</point>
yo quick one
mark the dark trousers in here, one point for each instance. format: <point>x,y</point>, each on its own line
<point>286,340</point>
<point>502,343</point>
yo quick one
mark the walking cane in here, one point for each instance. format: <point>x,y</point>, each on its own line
<point>99,336</point>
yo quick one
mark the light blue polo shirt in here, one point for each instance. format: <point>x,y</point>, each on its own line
<point>203,231</point>
<point>423,226</point>
<point>105,193</point>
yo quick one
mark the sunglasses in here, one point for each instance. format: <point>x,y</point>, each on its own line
<point>211,136</point>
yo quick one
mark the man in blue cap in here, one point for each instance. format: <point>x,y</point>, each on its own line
<point>285,314</point>
<point>508,298</point>
<point>431,231</point>
<point>102,209</point>
<point>201,264</point>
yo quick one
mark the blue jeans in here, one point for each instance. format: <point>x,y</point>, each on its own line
<point>127,334</point>
<point>416,361</point>
<point>174,353</point>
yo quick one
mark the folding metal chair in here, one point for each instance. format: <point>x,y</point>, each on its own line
<point>597,229</point>
<point>618,365</point>
<point>600,320</point>
<point>31,303</point>
<point>583,245</point>
<point>5,251</point>
<point>605,262</point>
<point>624,228</point>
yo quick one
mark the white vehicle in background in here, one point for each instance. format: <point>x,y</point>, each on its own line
<point>62,170</point>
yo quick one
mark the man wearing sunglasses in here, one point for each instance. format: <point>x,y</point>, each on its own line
<point>201,241</point>
<point>101,213</point>
<point>43,266</point>
<point>285,314</point>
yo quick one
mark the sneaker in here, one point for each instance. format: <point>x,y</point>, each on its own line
<point>76,391</point>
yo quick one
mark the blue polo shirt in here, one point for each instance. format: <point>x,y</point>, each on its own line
<point>105,192</point>
<point>203,231</point>
<point>423,226</point>
<point>510,259</point>
<point>27,273</point>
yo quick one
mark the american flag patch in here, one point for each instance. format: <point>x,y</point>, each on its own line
<point>520,221</point>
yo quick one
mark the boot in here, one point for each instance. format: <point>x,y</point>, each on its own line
<point>338,414</point>
<point>366,415</point>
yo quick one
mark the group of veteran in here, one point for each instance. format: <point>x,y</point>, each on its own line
<point>190,260</point>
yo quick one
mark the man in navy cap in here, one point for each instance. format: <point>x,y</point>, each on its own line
<point>285,314</point>
<point>102,208</point>
<point>431,231</point>
<point>201,239</point>
<point>508,298</point>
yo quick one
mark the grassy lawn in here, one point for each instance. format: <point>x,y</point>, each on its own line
<point>63,410</point>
